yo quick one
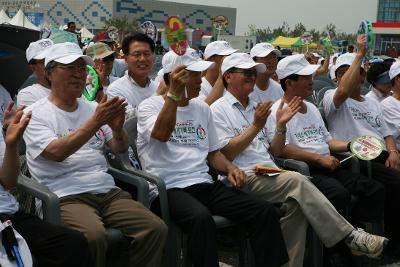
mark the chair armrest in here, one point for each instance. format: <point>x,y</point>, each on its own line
<point>50,201</point>
<point>130,178</point>
<point>162,190</point>
<point>292,164</point>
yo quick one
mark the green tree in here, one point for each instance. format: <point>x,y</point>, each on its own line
<point>123,24</point>
<point>262,35</point>
<point>283,30</point>
<point>315,34</point>
<point>298,30</point>
<point>330,30</point>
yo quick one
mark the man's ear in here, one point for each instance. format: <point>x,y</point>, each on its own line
<point>32,67</point>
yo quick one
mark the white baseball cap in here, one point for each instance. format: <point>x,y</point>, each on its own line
<point>220,48</point>
<point>190,59</point>
<point>241,61</point>
<point>263,50</point>
<point>316,55</point>
<point>66,53</point>
<point>394,70</point>
<point>295,64</point>
<point>345,59</point>
<point>36,50</point>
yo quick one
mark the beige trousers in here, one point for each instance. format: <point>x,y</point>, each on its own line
<point>92,213</point>
<point>303,203</point>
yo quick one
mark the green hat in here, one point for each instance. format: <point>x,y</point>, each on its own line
<point>99,51</point>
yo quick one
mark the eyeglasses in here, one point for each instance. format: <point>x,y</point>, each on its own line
<point>246,72</point>
<point>73,67</point>
<point>145,54</point>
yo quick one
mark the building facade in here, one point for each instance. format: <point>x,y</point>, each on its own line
<point>93,13</point>
<point>387,28</point>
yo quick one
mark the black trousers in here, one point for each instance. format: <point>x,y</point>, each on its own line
<point>192,208</point>
<point>390,178</point>
<point>52,245</point>
<point>338,186</point>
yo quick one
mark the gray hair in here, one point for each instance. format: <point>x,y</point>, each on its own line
<point>51,65</point>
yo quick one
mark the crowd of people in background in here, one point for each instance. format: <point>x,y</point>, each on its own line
<point>221,109</point>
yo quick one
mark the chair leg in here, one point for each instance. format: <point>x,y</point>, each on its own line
<point>315,250</point>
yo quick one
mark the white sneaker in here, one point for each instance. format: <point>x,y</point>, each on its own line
<point>363,243</point>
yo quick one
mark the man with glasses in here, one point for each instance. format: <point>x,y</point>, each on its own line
<point>136,85</point>
<point>65,140</point>
<point>176,136</point>
<point>242,133</point>
<point>349,115</point>
<point>35,54</point>
<point>266,89</point>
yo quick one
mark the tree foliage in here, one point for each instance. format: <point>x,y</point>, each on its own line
<point>268,34</point>
<point>123,24</point>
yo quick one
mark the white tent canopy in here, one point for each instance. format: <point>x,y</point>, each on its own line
<point>85,33</point>
<point>21,20</point>
<point>3,17</point>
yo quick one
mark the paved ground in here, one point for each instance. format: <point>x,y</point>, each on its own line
<point>229,258</point>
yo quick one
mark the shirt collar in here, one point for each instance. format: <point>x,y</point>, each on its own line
<point>135,83</point>
<point>232,100</point>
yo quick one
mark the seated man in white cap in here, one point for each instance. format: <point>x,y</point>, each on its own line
<point>211,84</point>
<point>241,130</point>
<point>135,86</point>
<point>50,245</point>
<point>35,54</point>
<point>65,139</point>
<point>176,136</point>
<point>307,139</point>
<point>266,89</point>
<point>350,115</point>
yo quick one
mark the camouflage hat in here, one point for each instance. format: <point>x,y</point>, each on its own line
<point>99,51</point>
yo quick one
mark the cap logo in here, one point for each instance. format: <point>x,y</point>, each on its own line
<point>45,44</point>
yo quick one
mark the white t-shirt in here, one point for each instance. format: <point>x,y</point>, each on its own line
<point>5,99</point>
<point>375,95</point>
<point>111,79</point>
<point>272,93</point>
<point>306,131</point>
<point>31,94</point>
<point>391,114</point>
<point>82,172</point>
<point>180,162</point>
<point>8,204</point>
<point>127,88</point>
<point>119,67</point>
<point>354,118</point>
<point>206,89</point>
<point>232,119</point>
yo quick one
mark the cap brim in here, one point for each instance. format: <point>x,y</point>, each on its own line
<point>71,58</point>
<point>267,52</point>
<point>105,54</point>
<point>308,70</point>
<point>384,78</point>
<point>200,66</point>
<point>260,67</point>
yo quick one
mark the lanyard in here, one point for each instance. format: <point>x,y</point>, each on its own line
<point>262,130</point>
